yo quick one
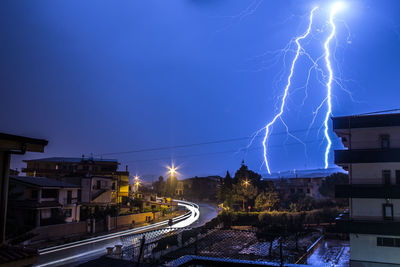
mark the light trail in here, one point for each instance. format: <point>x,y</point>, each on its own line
<point>287,87</point>
<point>335,8</point>
<point>184,220</point>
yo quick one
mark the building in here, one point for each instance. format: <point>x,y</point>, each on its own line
<point>99,179</point>
<point>302,182</point>
<point>372,158</point>
<point>37,201</point>
<point>9,145</point>
<point>307,186</point>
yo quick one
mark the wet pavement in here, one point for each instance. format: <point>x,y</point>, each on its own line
<point>335,253</point>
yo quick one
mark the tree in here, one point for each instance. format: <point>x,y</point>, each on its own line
<point>158,186</point>
<point>327,187</point>
<point>245,173</point>
<point>170,186</point>
<point>244,193</point>
<point>224,191</point>
<point>267,201</point>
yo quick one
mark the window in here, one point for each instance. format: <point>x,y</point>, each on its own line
<point>113,186</point>
<point>69,197</point>
<point>386,176</point>
<point>397,176</point>
<point>292,190</point>
<point>387,211</point>
<point>79,195</point>
<point>49,193</point>
<point>308,190</point>
<point>387,242</point>
<point>98,184</point>
<point>385,141</point>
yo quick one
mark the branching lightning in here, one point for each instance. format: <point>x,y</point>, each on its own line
<point>336,7</point>
<point>287,87</point>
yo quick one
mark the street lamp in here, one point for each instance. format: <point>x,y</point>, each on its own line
<point>246,183</point>
<point>172,170</point>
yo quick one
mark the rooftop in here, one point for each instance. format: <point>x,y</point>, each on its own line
<point>71,160</point>
<point>12,142</point>
<point>41,182</point>
<point>367,120</point>
<point>310,173</point>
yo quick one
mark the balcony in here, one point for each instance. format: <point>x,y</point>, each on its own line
<point>367,191</point>
<point>368,227</point>
<point>366,156</point>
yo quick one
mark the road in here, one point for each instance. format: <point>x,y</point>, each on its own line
<point>75,253</point>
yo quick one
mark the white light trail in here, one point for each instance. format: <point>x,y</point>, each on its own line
<point>335,8</point>
<point>287,87</point>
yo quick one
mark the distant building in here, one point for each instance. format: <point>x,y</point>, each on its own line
<point>99,179</point>
<point>308,187</point>
<point>372,159</point>
<point>37,201</point>
<point>199,188</point>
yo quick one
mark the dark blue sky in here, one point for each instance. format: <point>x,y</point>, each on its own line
<point>108,76</point>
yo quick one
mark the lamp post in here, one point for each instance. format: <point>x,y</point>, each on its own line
<point>246,183</point>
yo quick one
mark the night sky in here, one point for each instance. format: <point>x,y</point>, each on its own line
<point>113,76</point>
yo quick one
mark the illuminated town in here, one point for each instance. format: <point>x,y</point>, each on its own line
<point>200,133</point>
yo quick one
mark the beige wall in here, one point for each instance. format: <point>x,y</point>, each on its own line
<point>371,173</point>
<point>365,208</point>
<point>364,248</point>
<point>367,138</point>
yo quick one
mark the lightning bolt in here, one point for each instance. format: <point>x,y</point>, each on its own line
<point>287,87</point>
<point>335,8</point>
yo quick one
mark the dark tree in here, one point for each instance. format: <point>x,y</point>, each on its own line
<point>244,173</point>
<point>327,187</point>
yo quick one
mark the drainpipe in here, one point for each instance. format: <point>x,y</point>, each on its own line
<point>5,165</point>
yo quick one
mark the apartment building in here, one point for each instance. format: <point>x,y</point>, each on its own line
<point>99,179</point>
<point>37,201</point>
<point>372,158</point>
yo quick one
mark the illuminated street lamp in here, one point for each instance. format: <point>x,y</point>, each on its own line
<point>246,183</point>
<point>172,170</point>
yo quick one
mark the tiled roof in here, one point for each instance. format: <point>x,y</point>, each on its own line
<point>42,182</point>
<point>71,160</point>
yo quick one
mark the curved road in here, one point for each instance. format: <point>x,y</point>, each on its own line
<point>75,253</point>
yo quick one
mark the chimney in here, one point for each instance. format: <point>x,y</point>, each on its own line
<point>126,168</point>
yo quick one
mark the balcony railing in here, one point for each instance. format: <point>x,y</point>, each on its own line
<point>366,156</point>
<point>68,201</point>
<point>367,191</point>
<point>368,227</point>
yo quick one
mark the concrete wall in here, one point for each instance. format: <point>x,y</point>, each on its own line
<point>57,231</point>
<point>371,173</point>
<point>365,208</point>
<point>366,138</point>
<point>364,248</point>
<point>126,220</point>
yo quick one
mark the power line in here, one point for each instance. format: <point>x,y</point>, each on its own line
<point>218,152</point>
<point>197,144</point>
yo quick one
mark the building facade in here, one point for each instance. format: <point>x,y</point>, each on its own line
<point>99,179</point>
<point>37,201</point>
<point>372,159</point>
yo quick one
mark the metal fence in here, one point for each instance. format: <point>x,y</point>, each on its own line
<point>163,246</point>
